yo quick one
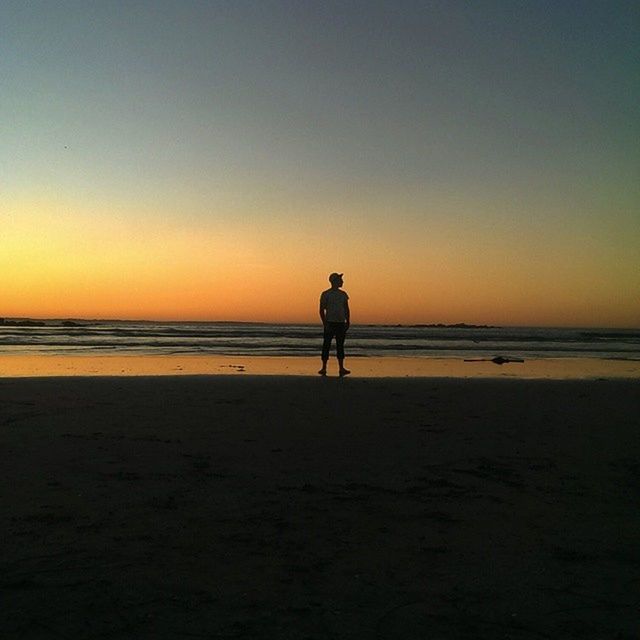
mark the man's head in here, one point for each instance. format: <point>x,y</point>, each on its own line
<point>335,279</point>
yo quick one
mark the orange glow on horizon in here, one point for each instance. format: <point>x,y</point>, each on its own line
<point>57,262</point>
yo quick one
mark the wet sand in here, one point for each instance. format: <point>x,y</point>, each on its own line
<point>290,507</point>
<point>41,364</point>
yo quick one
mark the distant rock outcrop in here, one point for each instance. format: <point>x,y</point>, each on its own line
<point>459,325</point>
<point>22,323</point>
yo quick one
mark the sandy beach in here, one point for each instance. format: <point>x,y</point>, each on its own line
<point>297,507</point>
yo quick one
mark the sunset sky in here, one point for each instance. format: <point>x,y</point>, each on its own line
<point>469,162</point>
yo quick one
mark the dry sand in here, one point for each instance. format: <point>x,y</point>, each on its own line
<point>293,508</point>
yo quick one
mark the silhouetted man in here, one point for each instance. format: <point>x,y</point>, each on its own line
<point>334,312</point>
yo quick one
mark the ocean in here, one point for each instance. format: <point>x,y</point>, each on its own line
<point>258,339</point>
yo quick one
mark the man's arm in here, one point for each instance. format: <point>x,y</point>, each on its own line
<point>347,313</point>
<point>323,311</point>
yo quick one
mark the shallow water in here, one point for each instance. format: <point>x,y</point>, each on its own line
<point>249,339</point>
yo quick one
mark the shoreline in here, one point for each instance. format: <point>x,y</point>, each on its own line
<point>46,365</point>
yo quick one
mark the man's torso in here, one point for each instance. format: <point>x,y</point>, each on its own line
<point>335,302</point>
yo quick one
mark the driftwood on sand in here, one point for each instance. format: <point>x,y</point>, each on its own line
<point>496,360</point>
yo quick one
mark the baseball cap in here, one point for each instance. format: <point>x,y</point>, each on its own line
<point>335,276</point>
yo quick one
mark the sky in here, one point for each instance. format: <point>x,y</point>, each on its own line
<point>469,162</point>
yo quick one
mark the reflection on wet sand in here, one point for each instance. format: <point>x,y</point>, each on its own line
<point>147,365</point>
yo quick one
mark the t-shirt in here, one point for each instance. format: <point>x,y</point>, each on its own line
<point>335,302</point>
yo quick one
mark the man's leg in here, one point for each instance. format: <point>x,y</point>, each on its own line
<point>326,346</point>
<point>341,332</point>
